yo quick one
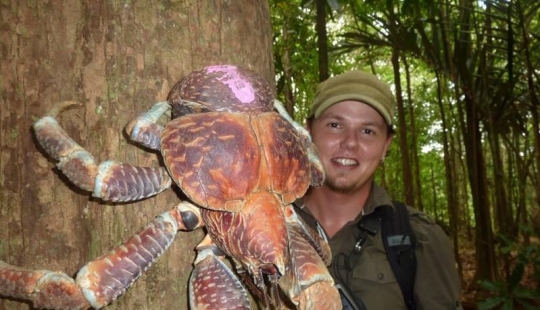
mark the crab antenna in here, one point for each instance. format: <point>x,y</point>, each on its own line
<point>61,106</point>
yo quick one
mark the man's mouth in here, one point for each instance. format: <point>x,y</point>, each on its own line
<point>345,161</point>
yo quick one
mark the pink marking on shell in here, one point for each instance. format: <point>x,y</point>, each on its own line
<point>238,84</point>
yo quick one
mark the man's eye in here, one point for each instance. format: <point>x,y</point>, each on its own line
<point>368,131</point>
<point>333,125</point>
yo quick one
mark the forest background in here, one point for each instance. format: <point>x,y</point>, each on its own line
<point>467,151</point>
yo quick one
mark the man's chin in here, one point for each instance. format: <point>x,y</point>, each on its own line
<point>341,187</point>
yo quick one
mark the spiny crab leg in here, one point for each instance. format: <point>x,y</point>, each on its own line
<point>315,165</point>
<point>102,280</point>
<point>306,281</point>
<point>144,128</point>
<point>46,289</point>
<point>212,284</point>
<point>112,181</point>
<point>317,239</point>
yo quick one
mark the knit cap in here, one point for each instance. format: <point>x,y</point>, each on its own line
<point>355,85</point>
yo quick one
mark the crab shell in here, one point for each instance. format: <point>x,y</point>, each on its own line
<point>223,88</point>
<point>240,147</point>
<point>220,158</point>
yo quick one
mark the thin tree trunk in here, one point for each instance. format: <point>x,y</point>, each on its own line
<point>117,58</point>
<point>287,71</point>
<point>469,116</point>
<point>405,161</point>
<point>451,190</point>
<point>414,141</point>
<point>503,208</point>
<point>485,252</point>
<point>322,40</point>
<point>533,96</point>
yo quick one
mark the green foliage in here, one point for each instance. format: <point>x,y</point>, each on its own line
<point>513,293</point>
<point>466,66</point>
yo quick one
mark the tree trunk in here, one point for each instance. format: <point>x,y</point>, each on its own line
<point>415,162</point>
<point>486,267</point>
<point>533,96</point>
<point>287,71</point>
<point>503,209</point>
<point>404,147</point>
<point>486,264</point>
<point>322,40</point>
<point>453,208</point>
<point>117,58</point>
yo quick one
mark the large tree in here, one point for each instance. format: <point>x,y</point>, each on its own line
<point>117,58</point>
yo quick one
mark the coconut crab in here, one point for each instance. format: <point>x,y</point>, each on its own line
<point>241,161</point>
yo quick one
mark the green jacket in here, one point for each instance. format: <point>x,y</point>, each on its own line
<point>437,284</point>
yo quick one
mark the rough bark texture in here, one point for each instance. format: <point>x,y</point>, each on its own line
<point>117,58</point>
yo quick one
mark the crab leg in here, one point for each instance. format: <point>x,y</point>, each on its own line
<point>307,281</point>
<point>317,239</point>
<point>144,130</point>
<point>212,284</point>
<point>102,280</point>
<point>112,181</point>
<point>46,289</point>
<point>315,165</point>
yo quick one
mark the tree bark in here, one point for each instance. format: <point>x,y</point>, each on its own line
<point>117,58</point>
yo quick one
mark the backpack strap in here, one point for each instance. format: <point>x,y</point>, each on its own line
<point>400,243</point>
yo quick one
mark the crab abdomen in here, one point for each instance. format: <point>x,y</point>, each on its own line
<point>256,236</point>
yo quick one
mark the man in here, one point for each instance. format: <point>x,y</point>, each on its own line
<point>351,126</point>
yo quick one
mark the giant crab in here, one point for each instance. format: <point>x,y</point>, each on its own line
<point>241,161</point>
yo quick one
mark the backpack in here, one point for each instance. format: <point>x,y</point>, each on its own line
<point>399,243</point>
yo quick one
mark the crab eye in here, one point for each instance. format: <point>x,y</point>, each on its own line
<point>185,107</point>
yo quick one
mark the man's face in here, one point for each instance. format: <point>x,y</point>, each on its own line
<point>351,138</point>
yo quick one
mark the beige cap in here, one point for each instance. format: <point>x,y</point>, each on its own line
<point>355,85</point>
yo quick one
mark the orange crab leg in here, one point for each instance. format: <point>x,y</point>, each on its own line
<point>307,281</point>
<point>144,128</point>
<point>46,289</point>
<point>212,284</point>
<point>110,180</point>
<point>102,280</point>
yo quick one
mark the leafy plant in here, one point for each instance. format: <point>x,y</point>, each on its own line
<point>512,293</point>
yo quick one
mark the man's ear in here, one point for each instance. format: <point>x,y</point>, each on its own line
<point>387,145</point>
<point>307,125</point>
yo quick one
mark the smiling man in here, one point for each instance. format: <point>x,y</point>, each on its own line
<point>351,125</point>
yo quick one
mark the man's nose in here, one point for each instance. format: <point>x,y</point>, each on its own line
<point>350,140</point>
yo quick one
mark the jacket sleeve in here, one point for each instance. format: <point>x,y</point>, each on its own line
<point>437,284</point>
